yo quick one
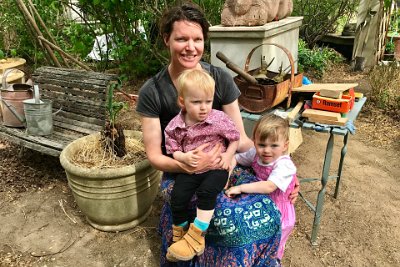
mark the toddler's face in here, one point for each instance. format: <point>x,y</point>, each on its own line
<point>197,105</point>
<point>269,150</point>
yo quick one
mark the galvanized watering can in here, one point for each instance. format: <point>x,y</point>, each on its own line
<point>38,114</point>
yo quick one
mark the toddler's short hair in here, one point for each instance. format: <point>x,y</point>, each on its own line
<point>194,78</point>
<point>271,126</point>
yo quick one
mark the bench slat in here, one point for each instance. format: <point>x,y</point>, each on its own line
<point>73,127</point>
<point>60,91</point>
<point>82,118</point>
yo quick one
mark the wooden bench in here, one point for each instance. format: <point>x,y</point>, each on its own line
<point>78,96</point>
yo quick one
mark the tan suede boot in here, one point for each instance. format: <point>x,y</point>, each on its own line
<point>177,234</point>
<point>193,243</point>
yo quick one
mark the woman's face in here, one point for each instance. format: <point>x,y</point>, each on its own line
<point>186,44</point>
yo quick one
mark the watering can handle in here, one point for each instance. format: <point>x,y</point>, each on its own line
<point>36,93</point>
<point>4,81</point>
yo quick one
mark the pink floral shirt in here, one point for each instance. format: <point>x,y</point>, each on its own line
<point>217,128</point>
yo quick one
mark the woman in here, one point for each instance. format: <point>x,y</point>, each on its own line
<point>245,230</point>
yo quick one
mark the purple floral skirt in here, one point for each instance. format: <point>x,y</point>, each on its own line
<point>245,230</point>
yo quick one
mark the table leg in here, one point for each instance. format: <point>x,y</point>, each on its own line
<point>342,155</point>
<point>321,194</point>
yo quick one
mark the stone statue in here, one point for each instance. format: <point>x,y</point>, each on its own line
<point>254,12</point>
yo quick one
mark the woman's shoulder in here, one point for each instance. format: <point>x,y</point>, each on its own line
<point>215,71</point>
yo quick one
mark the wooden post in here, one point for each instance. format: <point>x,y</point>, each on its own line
<point>45,28</point>
<point>32,22</point>
<point>64,53</point>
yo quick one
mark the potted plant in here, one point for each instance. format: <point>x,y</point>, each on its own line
<point>111,180</point>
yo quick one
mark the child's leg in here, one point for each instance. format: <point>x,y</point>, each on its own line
<point>193,243</point>
<point>184,188</point>
<point>286,231</point>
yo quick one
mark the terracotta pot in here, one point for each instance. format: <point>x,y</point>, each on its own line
<point>113,199</point>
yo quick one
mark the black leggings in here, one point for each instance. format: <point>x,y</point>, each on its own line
<point>206,185</point>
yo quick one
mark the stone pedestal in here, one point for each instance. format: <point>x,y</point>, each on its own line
<point>237,42</point>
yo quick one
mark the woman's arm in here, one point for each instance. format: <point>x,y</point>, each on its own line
<point>233,111</point>
<point>295,193</point>
<point>152,139</point>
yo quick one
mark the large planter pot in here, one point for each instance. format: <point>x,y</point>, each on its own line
<point>113,199</point>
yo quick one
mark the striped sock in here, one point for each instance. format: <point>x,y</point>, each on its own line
<point>183,224</point>
<point>201,225</point>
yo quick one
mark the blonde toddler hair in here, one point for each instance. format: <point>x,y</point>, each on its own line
<point>271,126</point>
<point>194,78</point>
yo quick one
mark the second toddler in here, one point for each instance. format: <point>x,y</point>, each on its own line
<point>275,172</point>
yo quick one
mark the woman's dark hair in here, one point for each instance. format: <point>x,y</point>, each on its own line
<point>187,11</point>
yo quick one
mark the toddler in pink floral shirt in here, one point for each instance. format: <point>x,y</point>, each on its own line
<point>195,125</point>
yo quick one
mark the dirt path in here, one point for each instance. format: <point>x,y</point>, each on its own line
<point>42,226</point>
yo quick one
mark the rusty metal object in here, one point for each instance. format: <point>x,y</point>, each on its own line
<point>235,68</point>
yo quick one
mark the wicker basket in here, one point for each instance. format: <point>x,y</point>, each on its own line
<point>259,98</point>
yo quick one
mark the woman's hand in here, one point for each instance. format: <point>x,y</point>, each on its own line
<point>295,193</point>
<point>206,160</point>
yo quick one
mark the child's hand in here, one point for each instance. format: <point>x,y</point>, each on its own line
<point>225,161</point>
<point>191,158</point>
<point>233,191</point>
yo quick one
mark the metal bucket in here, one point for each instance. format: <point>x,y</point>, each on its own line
<point>38,115</point>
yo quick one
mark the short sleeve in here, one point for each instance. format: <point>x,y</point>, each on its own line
<point>148,103</point>
<point>283,173</point>
<point>226,90</point>
<point>171,144</point>
<point>246,158</point>
<point>229,130</point>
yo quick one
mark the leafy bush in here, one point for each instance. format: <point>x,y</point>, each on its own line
<point>16,39</point>
<point>316,60</point>
<point>385,90</point>
<point>321,16</point>
<point>137,53</point>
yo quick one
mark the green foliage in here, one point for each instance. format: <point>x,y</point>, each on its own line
<point>212,9</point>
<point>2,55</point>
<point>16,39</point>
<point>322,16</point>
<point>137,53</point>
<point>77,39</point>
<point>114,107</point>
<point>389,47</point>
<point>316,60</point>
<point>385,90</point>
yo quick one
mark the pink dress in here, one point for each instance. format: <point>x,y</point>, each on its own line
<point>281,198</point>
